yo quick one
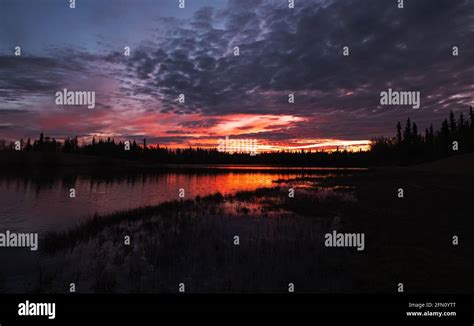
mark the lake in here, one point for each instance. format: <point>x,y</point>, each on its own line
<point>34,203</point>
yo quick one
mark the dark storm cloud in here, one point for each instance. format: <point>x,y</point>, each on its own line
<point>27,76</point>
<point>300,51</point>
<point>282,51</point>
<point>12,112</point>
<point>203,18</point>
<point>176,132</point>
<point>206,123</point>
<point>27,93</point>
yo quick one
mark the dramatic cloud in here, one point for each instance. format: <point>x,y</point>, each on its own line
<point>281,51</point>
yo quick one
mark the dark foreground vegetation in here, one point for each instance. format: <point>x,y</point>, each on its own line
<point>281,240</point>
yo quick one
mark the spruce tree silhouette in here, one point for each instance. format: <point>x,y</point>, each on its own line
<point>407,147</point>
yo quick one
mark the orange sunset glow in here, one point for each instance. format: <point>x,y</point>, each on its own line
<point>194,130</point>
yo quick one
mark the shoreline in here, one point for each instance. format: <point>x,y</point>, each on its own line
<point>281,240</point>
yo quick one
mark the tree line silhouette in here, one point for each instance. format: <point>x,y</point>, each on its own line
<point>455,136</point>
<point>409,146</point>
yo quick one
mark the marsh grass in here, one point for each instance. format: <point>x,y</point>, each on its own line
<point>281,241</point>
<point>189,240</point>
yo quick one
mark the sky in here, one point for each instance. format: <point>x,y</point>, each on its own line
<point>190,51</point>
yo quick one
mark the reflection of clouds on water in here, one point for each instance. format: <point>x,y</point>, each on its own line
<point>37,203</point>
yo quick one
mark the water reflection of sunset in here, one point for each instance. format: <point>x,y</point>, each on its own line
<point>46,197</point>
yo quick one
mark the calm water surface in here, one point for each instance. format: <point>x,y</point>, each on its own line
<point>42,203</point>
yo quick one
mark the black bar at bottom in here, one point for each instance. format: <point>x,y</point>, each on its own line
<point>89,307</point>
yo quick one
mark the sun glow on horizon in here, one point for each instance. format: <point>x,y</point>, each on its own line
<point>199,131</point>
<point>325,145</point>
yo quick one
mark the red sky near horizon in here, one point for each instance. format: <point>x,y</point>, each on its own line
<point>191,51</point>
<point>197,130</point>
